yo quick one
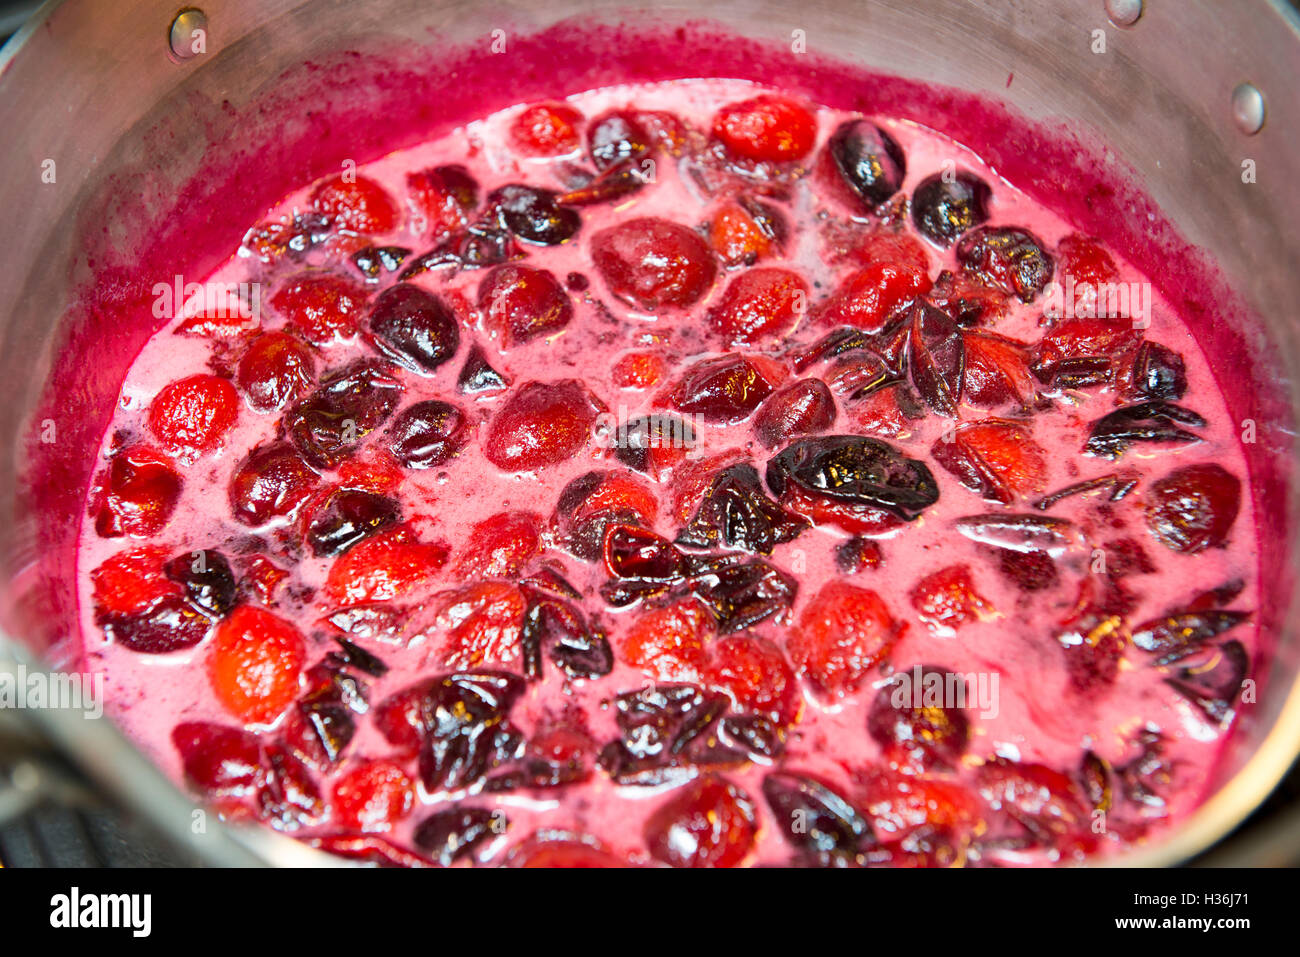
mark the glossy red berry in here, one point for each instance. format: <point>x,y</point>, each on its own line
<point>998,459</point>
<point>668,643</point>
<point>766,127</point>
<point>192,416</point>
<point>639,370</point>
<point>1193,507</point>
<point>546,129</point>
<point>482,624</point>
<point>132,581</point>
<point>443,198</point>
<point>520,303</point>
<point>219,760</point>
<point>137,494</point>
<point>709,823</point>
<point>842,634</point>
<point>654,263</point>
<point>499,546</point>
<point>946,599</point>
<point>388,565</point>
<point>754,672</point>
<point>373,796</point>
<point>355,203</point>
<point>254,664</point>
<point>724,389</point>
<point>542,424</point>
<point>760,305</point>
<point>805,407</point>
<point>269,483</point>
<point>320,307</point>
<point>274,370</point>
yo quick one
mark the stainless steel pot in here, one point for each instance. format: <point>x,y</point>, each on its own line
<point>128,161</point>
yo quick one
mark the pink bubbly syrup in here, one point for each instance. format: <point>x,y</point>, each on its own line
<point>1040,717</point>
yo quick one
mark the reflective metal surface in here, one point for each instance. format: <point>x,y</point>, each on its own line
<point>121,156</point>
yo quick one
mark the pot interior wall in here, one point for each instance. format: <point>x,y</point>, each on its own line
<point>184,156</point>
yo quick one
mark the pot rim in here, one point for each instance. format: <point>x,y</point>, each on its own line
<point>105,752</point>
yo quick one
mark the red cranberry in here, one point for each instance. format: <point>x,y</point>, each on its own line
<point>589,504</point>
<point>1193,507</point>
<point>542,424</point>
<point>385,566</point>
<point>843,632</point>
<point>373,796</point>
<point>917,722</point>
<point>274,370</point>
<point>563,853</point>
<point>947,599</point>
<point>760,304</point>
<point>427,434</point>
<point>766,128</point>
<point>132,581</point>
<point>499,546</point>
<point>271,482</point>
<point>546,129</point>
<point>254,664</point>
<point>356,203</point>
<point>755,674</point>
<point>710,823</point>
<point>1085,261</point>
<point>444,196</point>
<point>520,303</point>
<point>725,388</point>
<point>639,370</point>
<point>140,491</point>
<point>414,327</point>
<point>320,307</point>
<point>801,408</point>
<point>218,759</point>
<point>744,231</point>
<point>654,263</point>
<point>998,459</point>
<point>997,370</point>
<point>868,298</point>
<point>668,643</point>
<point>1080,352</point>
<point>193,415</point>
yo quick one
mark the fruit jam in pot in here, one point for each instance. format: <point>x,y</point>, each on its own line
<point>678,473</point>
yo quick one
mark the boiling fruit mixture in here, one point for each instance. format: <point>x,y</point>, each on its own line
<point>677,474</point>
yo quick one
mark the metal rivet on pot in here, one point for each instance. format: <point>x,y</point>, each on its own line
<point>188,23</point>
<point>25,777</point>
<point>1248,108</point>
<point>1124,13</point>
